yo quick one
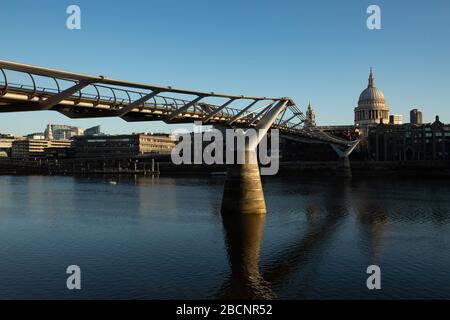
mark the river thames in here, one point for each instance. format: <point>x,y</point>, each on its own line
<point>164,238</point>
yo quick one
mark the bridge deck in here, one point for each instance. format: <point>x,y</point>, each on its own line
<point>85,97</point>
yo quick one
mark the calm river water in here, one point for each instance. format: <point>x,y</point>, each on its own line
<point>164,238</point>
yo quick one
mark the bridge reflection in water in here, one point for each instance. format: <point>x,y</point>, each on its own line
<point>244,234</point>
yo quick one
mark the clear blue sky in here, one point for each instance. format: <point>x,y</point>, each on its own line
<point>309,50</point>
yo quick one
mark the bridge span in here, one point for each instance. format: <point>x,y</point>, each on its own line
<point>30,88</point>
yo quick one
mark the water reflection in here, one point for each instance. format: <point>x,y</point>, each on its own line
<point>373,221</point>
<point>161,238</point>
<point>322,222</point>
<point>243,236</point>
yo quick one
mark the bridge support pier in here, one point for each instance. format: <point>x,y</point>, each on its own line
<point>243,192</point>
<point>343,168</point>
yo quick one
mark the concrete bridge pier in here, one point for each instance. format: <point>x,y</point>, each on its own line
<point>243,192</point>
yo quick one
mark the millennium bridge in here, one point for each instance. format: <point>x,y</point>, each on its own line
<point>30,88</point>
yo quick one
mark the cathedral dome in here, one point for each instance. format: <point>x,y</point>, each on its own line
<point>372,108</point>
<point>371,93</point>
